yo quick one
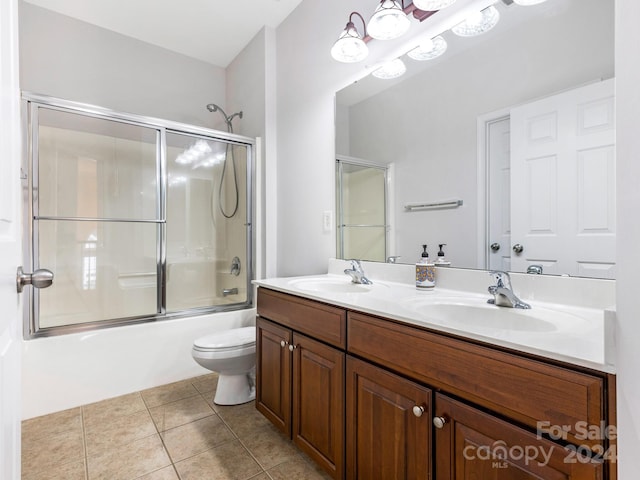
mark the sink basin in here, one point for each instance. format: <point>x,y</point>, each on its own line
<point>476,314</point>
<point>329,285</point>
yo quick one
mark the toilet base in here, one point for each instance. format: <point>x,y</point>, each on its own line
<point>235,389</point>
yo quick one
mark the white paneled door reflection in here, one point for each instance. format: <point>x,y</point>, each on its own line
<point>563,182</point>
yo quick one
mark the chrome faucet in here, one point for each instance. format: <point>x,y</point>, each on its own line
<point>357,273</point>
<point>503,293</point>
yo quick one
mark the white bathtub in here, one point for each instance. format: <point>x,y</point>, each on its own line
<point>70,370</point>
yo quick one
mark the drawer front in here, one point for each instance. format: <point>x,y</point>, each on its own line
<point>323,322</point>
<point>525,390</point>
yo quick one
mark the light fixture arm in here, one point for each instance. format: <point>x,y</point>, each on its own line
<point>351,25</point>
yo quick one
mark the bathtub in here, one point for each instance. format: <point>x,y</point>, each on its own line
<point>66,371</point>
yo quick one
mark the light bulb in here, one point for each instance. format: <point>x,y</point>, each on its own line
<point>478,22</point>
<point>388,21</point>
<point>349,48</point>
<point>429,49</point>
<point>393,69</point>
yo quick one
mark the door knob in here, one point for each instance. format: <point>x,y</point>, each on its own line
<point>283,343</point>
<point>41,278</point>
<point>495,246</point>
<point>418,410</point>
<point>439,422</point>
<point>517,248</point>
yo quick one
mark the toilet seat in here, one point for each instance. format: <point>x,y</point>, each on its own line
<point>237,339</point>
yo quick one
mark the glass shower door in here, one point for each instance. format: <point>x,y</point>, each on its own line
<point>206,222</point>
<point>361,206</point>
<point>95,217</point>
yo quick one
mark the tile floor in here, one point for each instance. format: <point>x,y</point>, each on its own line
<point>166,433</point>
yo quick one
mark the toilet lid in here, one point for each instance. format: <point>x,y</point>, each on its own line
<point>228,339</point>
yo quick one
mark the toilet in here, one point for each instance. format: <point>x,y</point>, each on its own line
<point>231,353</point>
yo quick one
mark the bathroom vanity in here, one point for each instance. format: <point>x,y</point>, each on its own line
<point>370,392</point>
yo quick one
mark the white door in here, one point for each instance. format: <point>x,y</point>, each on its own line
<point>563,183</point>
<point>499,191</point>
<point>10,233</point>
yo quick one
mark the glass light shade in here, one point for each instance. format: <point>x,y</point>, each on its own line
<point>349,48</point>
<point>429,50</point>
<point>478,23</point>
<point>393,69</point>
<point>388,21</point>
<point>432,5</point>
<point>526,3</point>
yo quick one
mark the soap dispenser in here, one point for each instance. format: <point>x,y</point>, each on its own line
<point>425,271</point>
<point>441,261</point>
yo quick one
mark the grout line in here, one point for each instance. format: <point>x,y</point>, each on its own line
<point>84,443</point>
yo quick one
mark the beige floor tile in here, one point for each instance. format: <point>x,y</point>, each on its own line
<point>229,461</point>
<point>129,461</point>
<point>242,419</point>
<point>40,452</point>
<point>166,473</point>
<point>105,434</point>
<point>113,408</point>
<point>168,393</point>
<point>299,469</point>
<point>206,384</point>
<point>68,471</point>
<point>270,447</point>
<point>53,423</point>
<point>180,413</point>
<point>196,437</point>
<point>261,476</point>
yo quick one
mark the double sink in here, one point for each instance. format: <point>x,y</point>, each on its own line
<point>564,332</point>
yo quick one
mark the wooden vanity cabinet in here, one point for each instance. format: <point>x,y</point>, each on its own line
<point>471,443</point>
<point>397,401</point>
<point>300,380</point>
<point>388,428</point>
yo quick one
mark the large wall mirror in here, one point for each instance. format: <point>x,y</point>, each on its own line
<point>513,131</point>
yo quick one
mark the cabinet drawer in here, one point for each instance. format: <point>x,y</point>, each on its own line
<point>525,390</point>
<point>318,320</point>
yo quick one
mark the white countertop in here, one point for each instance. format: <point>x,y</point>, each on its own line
<point>568,333</point>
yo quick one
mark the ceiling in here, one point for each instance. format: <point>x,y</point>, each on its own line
<point>214,31</point>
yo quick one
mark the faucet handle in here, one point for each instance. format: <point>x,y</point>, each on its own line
<point>502,278</point>
<point>355,264</point>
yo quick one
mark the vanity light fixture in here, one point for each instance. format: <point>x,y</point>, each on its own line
<point>350,46</point>
<point>526,3</point>
<point>429,49</point>
<point>478,22</point>
<point>433,5</point>
<point>393,69</point>
<point>388,21</point>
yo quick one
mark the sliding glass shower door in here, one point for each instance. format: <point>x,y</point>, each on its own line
<point>138,220</point>
<point>361,199</point>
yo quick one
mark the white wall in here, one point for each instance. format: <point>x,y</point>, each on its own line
<point>73,60</point>
<point>429,120</point>
<point>250,81</point>
<point>628,238</point>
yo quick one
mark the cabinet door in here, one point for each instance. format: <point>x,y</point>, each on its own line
<point>388,432</point>
<point>273,373</point>
<point>318,403</point>
<point>474,444</point>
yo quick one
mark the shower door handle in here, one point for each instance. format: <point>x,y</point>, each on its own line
<point>41,278</point>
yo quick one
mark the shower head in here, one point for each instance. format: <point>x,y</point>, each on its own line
<point>212,107</point>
